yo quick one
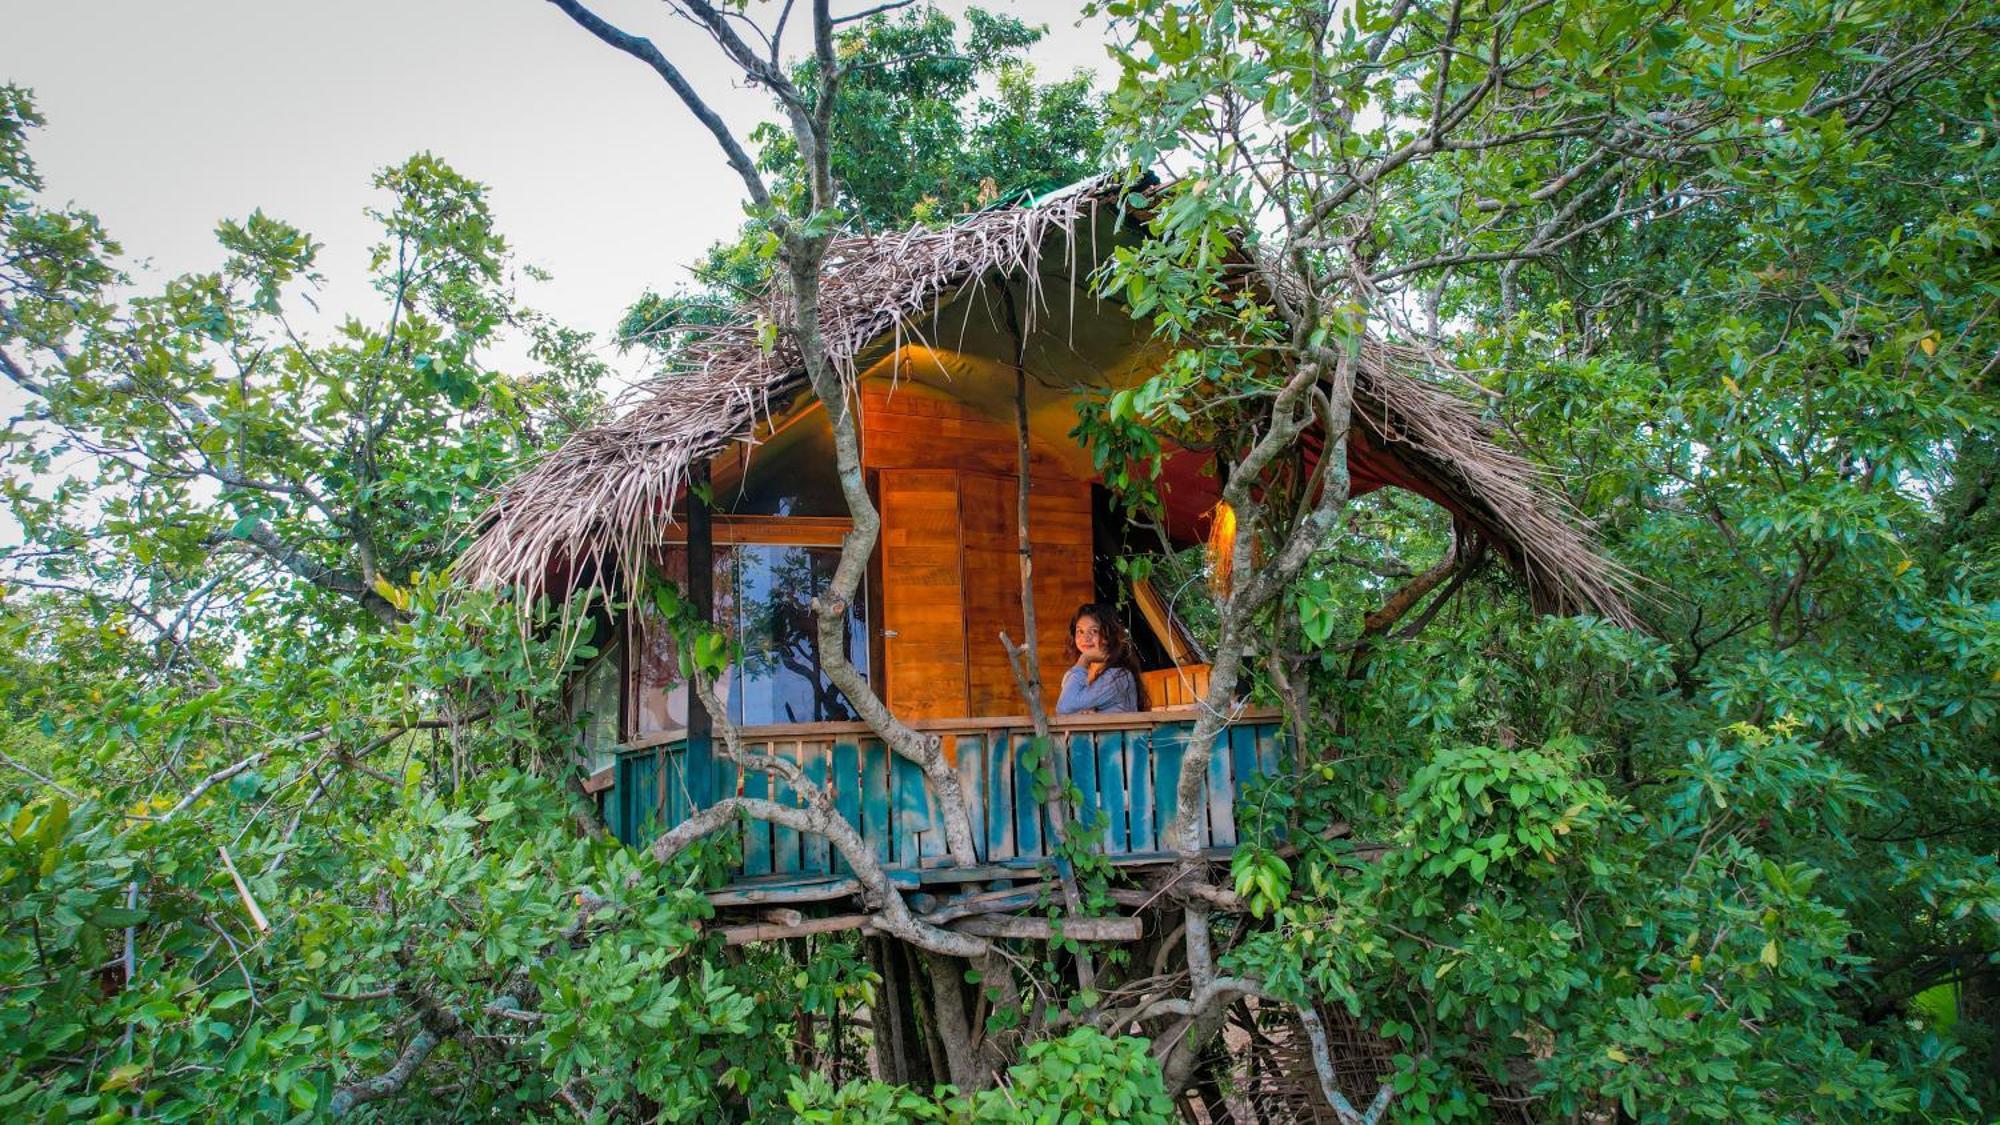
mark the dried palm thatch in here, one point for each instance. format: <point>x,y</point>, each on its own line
<point>1441,441</point>
<point>602,496</point>
<point>596,505</point>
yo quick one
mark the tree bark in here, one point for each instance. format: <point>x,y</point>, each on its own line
<point>1255,587</point>
<point>898,1057</point>
<point>1026,658</point>
<point>954,1032</point>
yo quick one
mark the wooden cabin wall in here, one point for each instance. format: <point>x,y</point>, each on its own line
<point>947,478</point>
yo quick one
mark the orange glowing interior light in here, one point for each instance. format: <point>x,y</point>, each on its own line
<point>1221,548</point>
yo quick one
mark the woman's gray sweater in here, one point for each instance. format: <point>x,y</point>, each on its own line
<point>1113,691</point>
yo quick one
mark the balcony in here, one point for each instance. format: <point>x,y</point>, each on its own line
<point>1125,767</point>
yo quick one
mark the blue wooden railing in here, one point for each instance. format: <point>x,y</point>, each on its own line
<point>1125,767</point>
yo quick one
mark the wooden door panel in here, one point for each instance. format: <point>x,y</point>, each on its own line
<point>1059,529</point>
<point>923,609</point>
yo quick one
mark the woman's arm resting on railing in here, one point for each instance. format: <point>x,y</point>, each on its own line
<point>1112,691</point>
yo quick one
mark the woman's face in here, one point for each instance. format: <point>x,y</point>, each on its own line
<point>1090,640</point>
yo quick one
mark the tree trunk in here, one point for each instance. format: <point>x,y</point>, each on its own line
<point>952,1029</point>
<point>900,1054</point>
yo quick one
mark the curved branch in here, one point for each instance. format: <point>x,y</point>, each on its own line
<point>893,914</point>
<point>438,1025</point>
<point>390,1082</point>
<point>1204,999</point>
<point>643,49</point>
<point>320,575</point>
<point>1329,1086</point>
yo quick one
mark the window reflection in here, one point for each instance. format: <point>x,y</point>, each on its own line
<point>662,696</point>
<point>593,706</point>
<point>763,601</point>
<point>778,679</point>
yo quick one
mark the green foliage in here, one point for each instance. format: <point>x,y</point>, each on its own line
<point>1084,1076</point>
<point>228,634</point>
<point>1699,871</point>
<point>917,139</point>
<point>462,898</point>
<point>1721,867</point>
<point>215,429</point>
<point>933,121</point>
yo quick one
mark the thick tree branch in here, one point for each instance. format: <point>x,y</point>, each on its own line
<point>390,1082</point>
<point>1329,1085</point>
<point>319,574</point>
<point>1455,566</point>
<point>892,914</point>
<point>643,49</point>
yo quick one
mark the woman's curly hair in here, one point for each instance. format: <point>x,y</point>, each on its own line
<point>1118,648</point>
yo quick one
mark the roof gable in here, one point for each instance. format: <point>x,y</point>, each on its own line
<point>602,497</point>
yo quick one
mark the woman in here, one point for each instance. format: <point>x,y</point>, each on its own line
<point>1105,676</point>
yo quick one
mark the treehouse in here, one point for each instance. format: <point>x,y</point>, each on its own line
<point>967,352</point>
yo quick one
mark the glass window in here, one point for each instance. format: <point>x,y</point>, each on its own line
<point>778,679</point>
<point>763,600</point>
<point>593,705</point>
<point>662,697</point>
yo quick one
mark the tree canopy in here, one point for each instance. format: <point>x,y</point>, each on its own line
<point>294,826</point>
<point>928,126</point>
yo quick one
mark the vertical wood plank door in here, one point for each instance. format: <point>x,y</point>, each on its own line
<point>1059,531</point>
<point>923,606</point>
<point>992,571</point>
<point>919,442</point>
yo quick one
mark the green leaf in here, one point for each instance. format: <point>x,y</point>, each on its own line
<point>118,917</point>
<point>222,1001</point>
<point>122,1077</point>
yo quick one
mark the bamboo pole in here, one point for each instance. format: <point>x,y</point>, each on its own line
<point>1041,929</point>
<point>243,891</point>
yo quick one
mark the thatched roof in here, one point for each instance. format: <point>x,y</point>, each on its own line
<point>601,498</point>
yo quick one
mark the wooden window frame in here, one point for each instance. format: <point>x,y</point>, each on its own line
<point>761,531</point>
<point>769,531</point>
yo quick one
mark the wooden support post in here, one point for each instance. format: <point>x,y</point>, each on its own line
<point>901,1058</point>
<point>698,762</point>
<point>950,1027</point>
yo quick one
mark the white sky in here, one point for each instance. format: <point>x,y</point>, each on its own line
<point>165,117</point>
